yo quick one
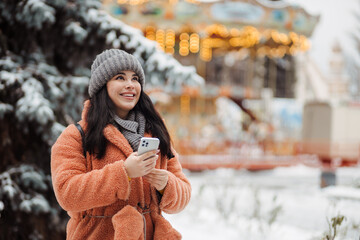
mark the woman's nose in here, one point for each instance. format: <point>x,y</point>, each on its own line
<point>129,83</point>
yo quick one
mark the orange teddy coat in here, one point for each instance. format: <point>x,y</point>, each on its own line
<point>101,201</point>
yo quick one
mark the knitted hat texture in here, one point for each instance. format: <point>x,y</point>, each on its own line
<point>110,63</point>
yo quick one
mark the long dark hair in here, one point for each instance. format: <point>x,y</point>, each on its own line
<point>100,115</point>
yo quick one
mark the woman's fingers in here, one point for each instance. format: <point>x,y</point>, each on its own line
<point>137,166</point>
<point>156,177</point>
<point>159,172</point>
<point>148,155</point>
<point>155,182</point>
<point>148,169</point>
<point>147,161</point>
<point>150,162</point>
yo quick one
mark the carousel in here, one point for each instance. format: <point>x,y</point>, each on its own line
<point>201,27</point>
<point>227,41</point>
<point>244,50</point>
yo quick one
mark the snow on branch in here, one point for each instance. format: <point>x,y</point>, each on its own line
<point>43,92</point>
<point>33,106</point>
<point>74,29</point>
<point>35,13</point>
<point>4,109</point>
<point>23,187</point>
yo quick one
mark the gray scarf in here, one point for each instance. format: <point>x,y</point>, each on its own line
<point>133,128</point>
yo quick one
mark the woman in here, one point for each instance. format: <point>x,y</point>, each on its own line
<point>113,193</point>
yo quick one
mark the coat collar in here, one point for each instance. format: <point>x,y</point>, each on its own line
<point>111,133</point>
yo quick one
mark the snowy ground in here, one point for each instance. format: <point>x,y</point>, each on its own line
<point>284,203</point>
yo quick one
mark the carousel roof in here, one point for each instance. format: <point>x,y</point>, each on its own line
<point>197,14</point>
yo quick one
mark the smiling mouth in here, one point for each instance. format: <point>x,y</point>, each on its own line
<point>127,95</point>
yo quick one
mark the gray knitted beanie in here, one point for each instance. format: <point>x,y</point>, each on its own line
<point>110,63</point>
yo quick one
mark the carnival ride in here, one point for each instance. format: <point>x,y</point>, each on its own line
<point>197,31</point>
<point>200,27</point>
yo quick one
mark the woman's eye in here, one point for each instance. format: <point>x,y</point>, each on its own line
<point>135,79</point>
<point>120,78</point>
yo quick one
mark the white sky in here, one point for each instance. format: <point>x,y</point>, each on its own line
<point>337,23</point>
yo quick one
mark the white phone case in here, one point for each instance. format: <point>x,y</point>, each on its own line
<point>148,144</point>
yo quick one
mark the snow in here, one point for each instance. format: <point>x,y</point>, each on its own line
<point>283,203</point>
<point>22,188</point>
<point>33,179</point>
<point>10,78</point>
<point>74,29</point>
<point>110,37</point>
<point>57,3</point>
<point>230,116</point>
<point>7,64</point>
<point>55,91</point>
<point>92,16</point>
<point>36,13</point>
<point>9,190</point>
<point>33,106</point>
<point>36,205</point>
<point>56,130</point>
<point>343,192</point>
<point>5,108</point>
<point>44,68</point>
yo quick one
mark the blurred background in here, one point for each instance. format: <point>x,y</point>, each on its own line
<point>261,99</point>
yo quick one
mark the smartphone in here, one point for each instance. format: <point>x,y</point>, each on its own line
<point>148,144</point>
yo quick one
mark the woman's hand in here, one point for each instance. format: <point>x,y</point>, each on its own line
<point>138,166</point>
<point>157,178</point>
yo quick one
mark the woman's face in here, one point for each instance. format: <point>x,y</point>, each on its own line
<point>124,91</point>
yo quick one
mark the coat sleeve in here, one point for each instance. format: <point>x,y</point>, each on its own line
<point>177,192</point>
<point>74,187</point>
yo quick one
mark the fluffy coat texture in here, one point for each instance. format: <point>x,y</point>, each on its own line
<point>100,200</point>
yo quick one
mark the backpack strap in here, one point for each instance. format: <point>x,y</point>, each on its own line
<point>82,137</point>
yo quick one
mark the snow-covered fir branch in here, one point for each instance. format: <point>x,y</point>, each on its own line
<point>37,104</point>
<point>22,188</point>
<point>35,13</point>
